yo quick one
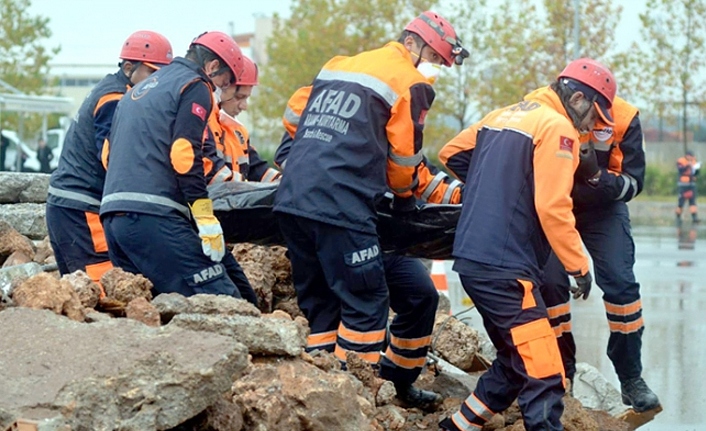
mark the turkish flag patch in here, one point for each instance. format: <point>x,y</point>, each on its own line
<point>422,116</point>
<point>566,144</point>
<point>199,111</point>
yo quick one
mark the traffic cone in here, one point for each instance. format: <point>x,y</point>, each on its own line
<point>438,276</point>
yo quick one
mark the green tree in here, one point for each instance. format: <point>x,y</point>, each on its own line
<point>24,62</point>
<point>530,47</point>
<point>316,31</point>
<point>671,59</point>
<point>456,102</point>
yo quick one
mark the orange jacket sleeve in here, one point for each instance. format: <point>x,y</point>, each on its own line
<point>555,160</point>
<point>407,174</point>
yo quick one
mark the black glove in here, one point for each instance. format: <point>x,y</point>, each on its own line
<point>583,286</point>
<point>588,163</point>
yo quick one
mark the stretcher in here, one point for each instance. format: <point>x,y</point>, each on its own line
<point>245,212</point>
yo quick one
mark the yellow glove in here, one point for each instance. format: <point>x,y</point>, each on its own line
<point>210,231</point>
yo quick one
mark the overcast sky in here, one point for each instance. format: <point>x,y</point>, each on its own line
<point>92,31</point>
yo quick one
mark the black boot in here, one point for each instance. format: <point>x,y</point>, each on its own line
<point>636,394</point>
<point>414,397</point>
<point>448,425</point>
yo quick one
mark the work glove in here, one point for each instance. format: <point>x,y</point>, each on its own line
<point>588,162</point>
<point>210,230</point>
<point>583,286</point>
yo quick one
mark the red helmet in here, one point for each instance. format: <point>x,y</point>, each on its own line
<point>224,47</point>
<point>439,35</point>
<point>599,80</point>
<point>148,47</point>
<point>249,76</point>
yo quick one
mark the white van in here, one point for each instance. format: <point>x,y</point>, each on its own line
<point>55,141</point>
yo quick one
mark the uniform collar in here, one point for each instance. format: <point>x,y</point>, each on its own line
<point>547,96</point>
<point>195,67</point>
<point>402,50</point>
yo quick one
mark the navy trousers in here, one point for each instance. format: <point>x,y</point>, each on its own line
<point>607,235</point>
<point>166,250</point>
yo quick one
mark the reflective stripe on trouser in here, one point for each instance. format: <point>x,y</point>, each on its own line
<point>528,365</point>
<point>340,282</point>
<point>607,235</point>
<point>167,251</point>
<point>78,240</point>
<point>414,299</point>
<point>556,295</point>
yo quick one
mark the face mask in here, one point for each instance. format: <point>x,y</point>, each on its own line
<point>218,93</point>
<point>430,71</point>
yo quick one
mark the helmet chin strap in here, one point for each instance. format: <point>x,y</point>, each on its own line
<point>419,56</point>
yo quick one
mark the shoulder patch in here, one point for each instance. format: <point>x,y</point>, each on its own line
<point>604,134</point>
<point>566,144</point>
<point>199,111</point>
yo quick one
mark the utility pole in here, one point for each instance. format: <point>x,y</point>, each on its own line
<point>577,39</point>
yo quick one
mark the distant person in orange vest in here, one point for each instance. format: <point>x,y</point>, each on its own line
<point>688,169</point>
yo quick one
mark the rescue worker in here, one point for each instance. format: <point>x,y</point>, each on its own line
<point>413,297</point>
<point>360,135</point>
<point>76,187</point>
<point>222,146</point>
<point>613,166</point>
<point>242,156</point>
<point>156,212</point>
<point>688,168</point>
<point>613,162</point>
<point>518,163</point>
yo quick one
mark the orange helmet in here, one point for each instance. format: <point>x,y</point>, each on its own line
<point>224,47</point>
<point>147,47</point>
<point>440,36</point>
<point>594,80</point>
<point>249,76</point>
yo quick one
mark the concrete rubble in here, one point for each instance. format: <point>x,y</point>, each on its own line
<point>70,360</point>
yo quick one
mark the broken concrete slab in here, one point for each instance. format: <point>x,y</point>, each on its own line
<point>261,336</point>
<point>595,392</point>
<point>113,374</point>
<point>27,218</point>
<point>171,304</point>
<point>453,382</point>
<point>23,187</point>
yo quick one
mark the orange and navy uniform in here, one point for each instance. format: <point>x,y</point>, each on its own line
<point>379,142</point>
<point>621,156</point>
<point>155,171</point>
<point>228,155</point>
<point>244,158</point>
<point>76,187</point>
<point>687,171</point>
<point>352,136</point>
<point>411,290</point>
<point>529,141</point>
<point>216,166</point>
<point>518,164</point>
